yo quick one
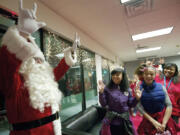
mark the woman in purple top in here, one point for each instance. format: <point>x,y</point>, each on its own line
<point>117,99</point>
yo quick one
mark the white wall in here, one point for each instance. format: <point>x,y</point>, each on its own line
<point>60,25</point>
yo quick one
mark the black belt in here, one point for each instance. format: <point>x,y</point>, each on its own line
<point>126,122</point>
<point>35,123</point>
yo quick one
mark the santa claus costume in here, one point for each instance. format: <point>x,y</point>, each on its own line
<point>30,88</point>
<point>28,82</point>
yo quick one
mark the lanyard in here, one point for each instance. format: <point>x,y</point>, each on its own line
<point>168,84</point>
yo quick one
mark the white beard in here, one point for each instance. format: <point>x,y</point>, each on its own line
<point>39,79</point>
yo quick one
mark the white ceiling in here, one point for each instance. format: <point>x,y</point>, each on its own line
<point>107,22</point>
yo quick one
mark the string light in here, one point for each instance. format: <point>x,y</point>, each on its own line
<point>55,45</point>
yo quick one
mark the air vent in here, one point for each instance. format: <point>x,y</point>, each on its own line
<point>137,7</point>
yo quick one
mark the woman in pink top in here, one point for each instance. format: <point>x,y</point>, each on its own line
<point>169,79</point>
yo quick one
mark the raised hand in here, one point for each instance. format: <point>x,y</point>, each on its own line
<point>137,91</point>
<point>161,61</point>
<point>76,42</point>
<point>149,63</point>
<point>27,23</point>
<point>101,86</point>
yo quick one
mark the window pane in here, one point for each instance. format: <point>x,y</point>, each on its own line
<point>6,21</point>
<point>70,83</point>
<point>36,35</point>
<point>88,61</point>
<point>105,71</point>
<point>4,24</point>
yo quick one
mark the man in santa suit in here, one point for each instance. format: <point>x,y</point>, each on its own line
<point>28,82</point>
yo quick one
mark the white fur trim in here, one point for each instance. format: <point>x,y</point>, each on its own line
<point>19,46</point>
<point>42,87</point>
<point>68,56</point>
<point>56,123</point>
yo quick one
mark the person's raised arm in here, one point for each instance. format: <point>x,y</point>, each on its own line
<point>70,58</point>
<point>102,94</point>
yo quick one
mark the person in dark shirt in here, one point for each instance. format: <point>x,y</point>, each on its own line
<point>117,98</point>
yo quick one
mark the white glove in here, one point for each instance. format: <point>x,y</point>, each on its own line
<point>76,42</point>
<point>27,19</point>
<point>70,56</point>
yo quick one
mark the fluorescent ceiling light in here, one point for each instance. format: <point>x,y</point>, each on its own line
<point>124,1</point>
<point>152,33</point>
<point>147,49</point>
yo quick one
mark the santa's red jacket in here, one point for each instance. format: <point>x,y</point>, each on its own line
<point>29,88</point>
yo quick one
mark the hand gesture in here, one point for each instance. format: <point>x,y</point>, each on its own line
<point>27,23</point>
<point>161,61</point>
<point>76,42</point>
<point>137,91</point>
<point>149,63</point>
<point>101,86</point>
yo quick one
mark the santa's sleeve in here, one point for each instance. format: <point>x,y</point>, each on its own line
<point>61,69</point>
<point>65,63</point>
<point>9,77</point>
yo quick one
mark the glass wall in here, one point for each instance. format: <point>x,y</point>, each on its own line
<point>105,71</point>
<point>89,68</point>
<point>70,84</point>
<point>36,35</point>
<point>5,22</point>
<point>80,77</point>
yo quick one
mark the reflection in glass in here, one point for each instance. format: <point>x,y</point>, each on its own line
<point>36,35</point>
<point>70,84</point>
<point>105,71</point>
<point>88,61</point>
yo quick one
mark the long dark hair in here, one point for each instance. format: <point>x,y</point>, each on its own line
<point>168,65</point>
<point>124,84</point>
